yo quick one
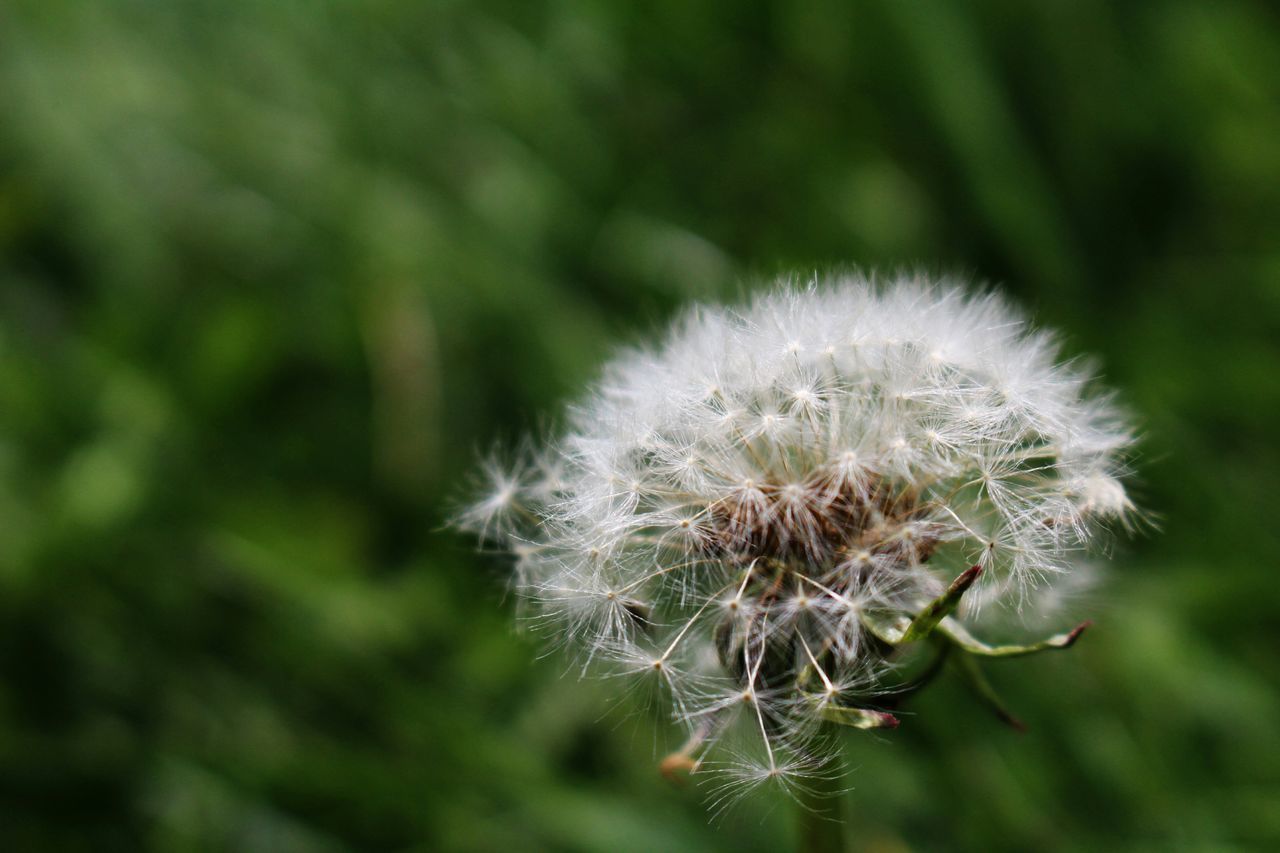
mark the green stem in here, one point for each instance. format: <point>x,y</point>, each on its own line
<point>820,815</point>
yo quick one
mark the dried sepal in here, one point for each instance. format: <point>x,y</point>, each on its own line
<point>960,636</point>
<point>854,718</point>
<point>941,607</point>
<point>976,679</point>
<point>886,626</point>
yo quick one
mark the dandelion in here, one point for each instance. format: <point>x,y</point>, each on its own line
<point>767,510</point>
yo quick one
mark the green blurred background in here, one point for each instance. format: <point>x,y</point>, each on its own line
<point>272,272</point>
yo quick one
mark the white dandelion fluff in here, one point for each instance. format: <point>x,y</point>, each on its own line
<point>761,510</point>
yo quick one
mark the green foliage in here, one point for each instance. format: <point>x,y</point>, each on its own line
<point>272,272</point>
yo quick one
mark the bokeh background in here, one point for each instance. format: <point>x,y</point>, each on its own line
<point>272,273</point>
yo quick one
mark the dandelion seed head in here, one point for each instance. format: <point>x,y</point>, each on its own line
<point>726,505</point>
